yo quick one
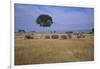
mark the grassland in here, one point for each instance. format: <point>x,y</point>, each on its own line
<point>41,51</point>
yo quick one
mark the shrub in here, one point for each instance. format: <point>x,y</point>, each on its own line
<point>64,37</point>
<point>47,37</point>
<point>28,37</point>
<point>78,36</point>
<point>32,34</point>
<point>55,36</point>
<point>69,36</point>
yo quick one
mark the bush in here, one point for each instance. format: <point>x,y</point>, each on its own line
<point>47,37</point>
<point>32,34</point>
<point>64,37</point>
<point>28,37</point>
<point>55,36</point>
<point>69,36</point>
<point>80,36</point>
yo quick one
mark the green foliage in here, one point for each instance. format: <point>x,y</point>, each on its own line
<point>44,20</point>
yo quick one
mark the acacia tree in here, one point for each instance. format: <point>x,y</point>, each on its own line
<point>44,20</point>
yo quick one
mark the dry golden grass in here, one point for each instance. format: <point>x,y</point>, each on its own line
<point>40,51</point>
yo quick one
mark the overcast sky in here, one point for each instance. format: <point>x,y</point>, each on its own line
<point>64,18</point>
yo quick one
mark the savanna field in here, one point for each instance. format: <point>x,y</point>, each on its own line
<point>42,51</point>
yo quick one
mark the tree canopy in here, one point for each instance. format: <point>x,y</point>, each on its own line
<point>44,20</point>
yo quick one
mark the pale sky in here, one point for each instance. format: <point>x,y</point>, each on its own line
<point>64,18</point>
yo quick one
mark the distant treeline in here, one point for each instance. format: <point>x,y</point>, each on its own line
<point>23,31</point>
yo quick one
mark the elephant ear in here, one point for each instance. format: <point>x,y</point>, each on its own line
<point>44,20</point>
